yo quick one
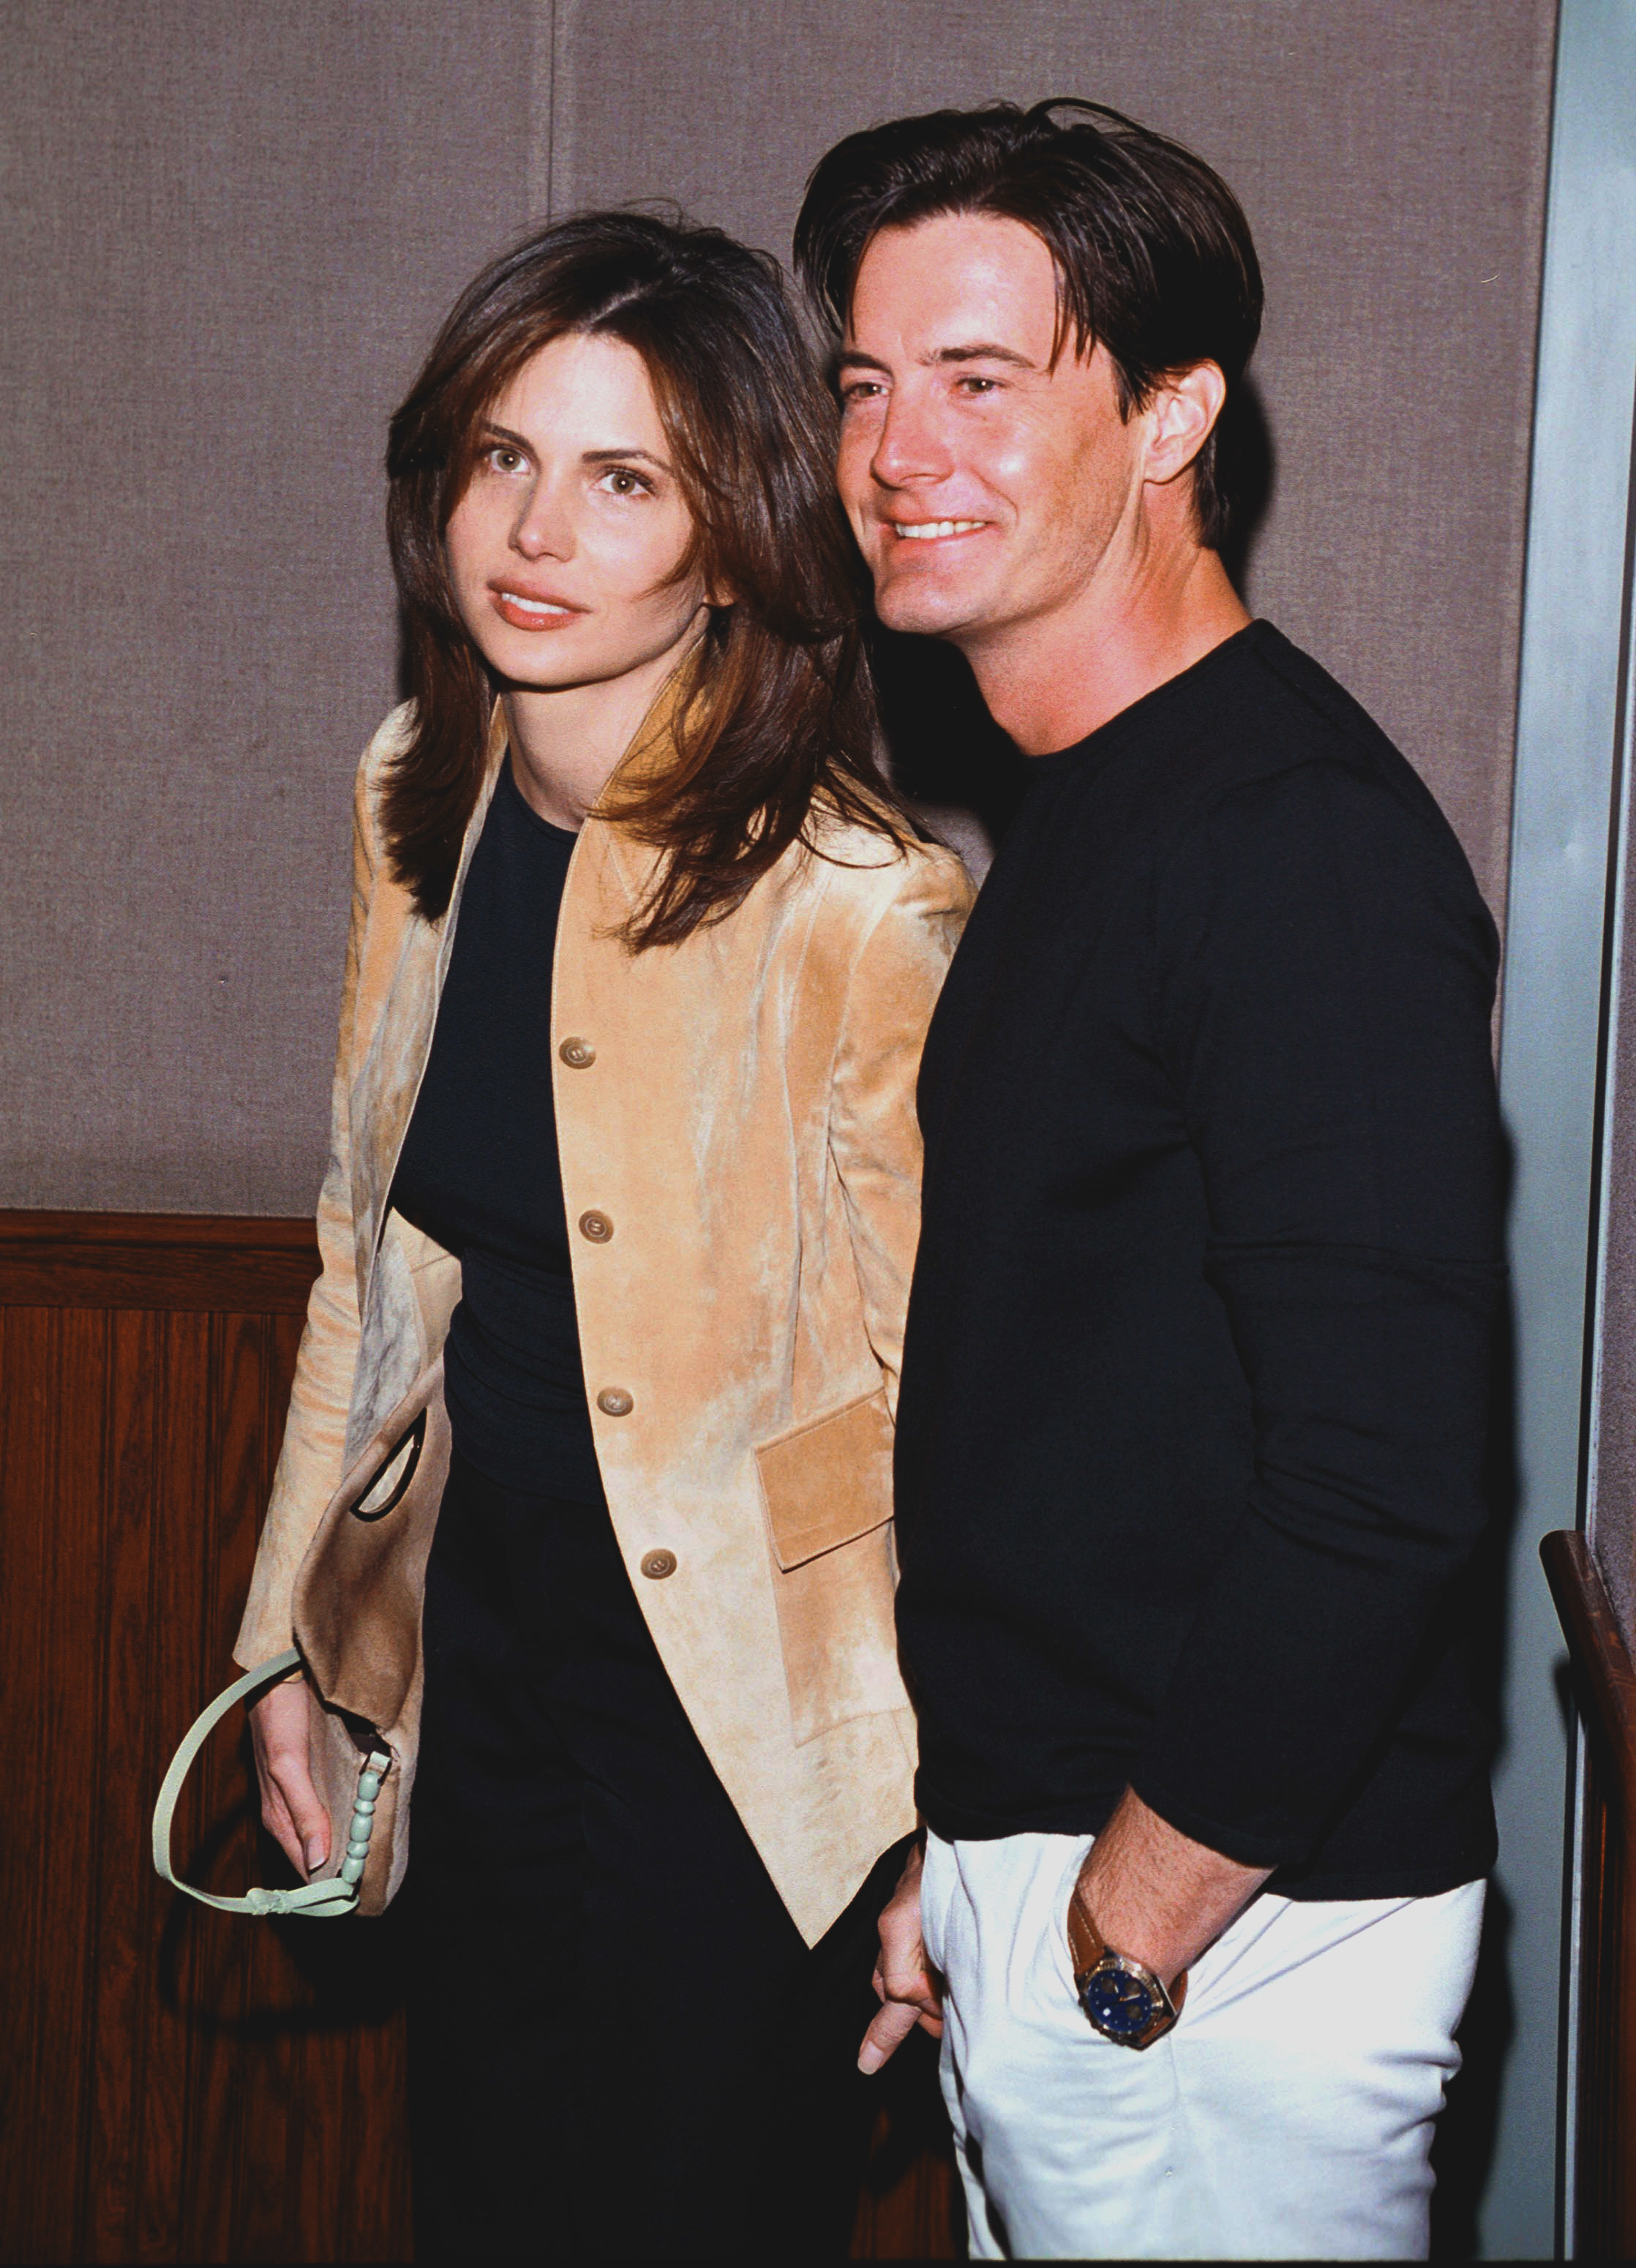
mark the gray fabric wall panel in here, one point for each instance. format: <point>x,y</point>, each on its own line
<point>1391,160</point>
<point>228,232</point>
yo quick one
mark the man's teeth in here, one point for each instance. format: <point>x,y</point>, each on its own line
<point>533,606</point>
<point>924,530</point>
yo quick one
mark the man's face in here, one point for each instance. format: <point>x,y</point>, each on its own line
<point>984,486</point>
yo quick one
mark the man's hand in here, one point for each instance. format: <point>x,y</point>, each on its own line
<point>903,1981</point>
<point>1156,1896</point>
<point>280,1728</point>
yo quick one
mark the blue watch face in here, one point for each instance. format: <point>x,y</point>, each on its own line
<point>1118,2004</point>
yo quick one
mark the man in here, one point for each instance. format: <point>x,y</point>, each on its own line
<point>1195,1394</point>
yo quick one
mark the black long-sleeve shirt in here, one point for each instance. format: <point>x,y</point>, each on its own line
<point>1197,1387</point>
<point>479,1169</point>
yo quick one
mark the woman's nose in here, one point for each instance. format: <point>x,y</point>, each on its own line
<point>543,530</point>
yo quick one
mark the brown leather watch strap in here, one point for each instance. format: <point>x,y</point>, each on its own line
<point>1086,1945</point>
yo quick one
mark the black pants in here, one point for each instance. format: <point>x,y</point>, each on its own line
<point>619,2045</point>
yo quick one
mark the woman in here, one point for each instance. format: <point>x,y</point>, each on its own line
<point>642,956</point>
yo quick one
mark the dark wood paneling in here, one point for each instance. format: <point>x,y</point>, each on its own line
<point>177,2085</point>
<point>174,2084</point>
<point>1605,1678</point>
<point>188,1261</point>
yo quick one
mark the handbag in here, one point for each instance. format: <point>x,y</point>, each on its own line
<point>357,1616</point>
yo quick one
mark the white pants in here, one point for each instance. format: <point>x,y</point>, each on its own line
<point>1288,2115</point>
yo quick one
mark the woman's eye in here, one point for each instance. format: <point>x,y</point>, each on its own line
<point>506,460</point>
<point>621,481</point>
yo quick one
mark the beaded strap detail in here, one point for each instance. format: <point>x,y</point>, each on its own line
<point>375,1766</point>
<point>327,1899</point>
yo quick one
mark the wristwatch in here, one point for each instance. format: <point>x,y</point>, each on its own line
<point>1123,1999</point>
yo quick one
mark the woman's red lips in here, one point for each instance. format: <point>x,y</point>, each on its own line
<point>530,610</point>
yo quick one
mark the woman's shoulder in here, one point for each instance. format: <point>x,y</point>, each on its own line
<point>384,745</point>
<point>862,869</point>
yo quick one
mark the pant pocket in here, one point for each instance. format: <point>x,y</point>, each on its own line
<point>937,1876</point>
<point>1061,1953</point>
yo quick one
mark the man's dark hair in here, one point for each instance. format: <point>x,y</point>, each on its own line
<point>1154,256</point>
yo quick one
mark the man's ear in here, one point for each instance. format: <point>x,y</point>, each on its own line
<point>1180,418</point>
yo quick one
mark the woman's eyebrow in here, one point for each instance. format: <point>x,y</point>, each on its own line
<point>621,456</point>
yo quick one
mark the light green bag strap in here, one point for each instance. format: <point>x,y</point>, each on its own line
<point>321,1901</point>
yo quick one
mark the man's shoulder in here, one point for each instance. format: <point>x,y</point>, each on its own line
<point>1277,725</point>
<point>1276,707</point>
<point>1286,774</point>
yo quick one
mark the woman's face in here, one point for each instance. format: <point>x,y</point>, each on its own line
<point>564,550</point>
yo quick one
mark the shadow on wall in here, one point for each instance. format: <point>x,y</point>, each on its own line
<point>1463,2156</point>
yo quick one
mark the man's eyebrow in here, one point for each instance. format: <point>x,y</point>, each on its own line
<point>983,350</point>
<point>980,350</point>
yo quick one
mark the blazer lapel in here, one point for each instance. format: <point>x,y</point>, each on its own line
<point>388,1084</point>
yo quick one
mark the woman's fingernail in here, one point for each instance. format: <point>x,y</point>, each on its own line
<point>314,1854</point>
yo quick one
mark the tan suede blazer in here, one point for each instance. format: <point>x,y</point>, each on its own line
<point>739,1150</point>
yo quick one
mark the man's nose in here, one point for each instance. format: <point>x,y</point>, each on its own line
<point>911,450</point>
<point>544,528</point>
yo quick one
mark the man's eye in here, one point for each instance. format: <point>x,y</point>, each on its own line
<point>978,386</point>
<point>862,389</point>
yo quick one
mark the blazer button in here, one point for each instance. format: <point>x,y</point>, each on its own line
<point>657,1564</point>
<point>595,1226</point>
<point>579,1055</point>
<point>614,1401</point>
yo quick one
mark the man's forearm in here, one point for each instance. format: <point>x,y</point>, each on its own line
<point>1156,1895</point>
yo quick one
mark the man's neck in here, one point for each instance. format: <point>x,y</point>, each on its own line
<point>1050,681</point>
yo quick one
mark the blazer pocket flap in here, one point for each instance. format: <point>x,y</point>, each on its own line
<point>829,1481</point>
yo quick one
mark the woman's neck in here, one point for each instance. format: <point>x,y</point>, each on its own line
<point>566,742</point>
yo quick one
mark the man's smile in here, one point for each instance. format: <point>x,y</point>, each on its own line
<point>929,531</point>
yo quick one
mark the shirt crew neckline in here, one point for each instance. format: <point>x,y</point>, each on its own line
<point>1138,714</point>
<point>548,826</point>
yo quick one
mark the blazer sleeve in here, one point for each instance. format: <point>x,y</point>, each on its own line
<point>874,1132</point>
<point>310,1460</point>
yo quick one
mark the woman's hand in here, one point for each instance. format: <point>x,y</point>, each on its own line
<point>281,1727</point>
<point>903,1982</point>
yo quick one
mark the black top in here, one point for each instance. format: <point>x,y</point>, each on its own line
<point>479,1168</point>
<point>1196,1390</point>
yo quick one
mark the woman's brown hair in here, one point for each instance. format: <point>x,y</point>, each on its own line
<point>779,709</point>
